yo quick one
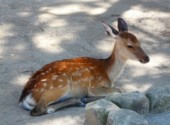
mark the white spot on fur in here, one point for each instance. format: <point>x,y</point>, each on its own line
<point>44,80</point>
<point>51,87</point>
<point>76,73</point>
<point>86,69</point>
<point>129,43</point>
<point>42,73</point>
<point>60,80</point>
<point>60,86</point>
<point>54,77</point>
<point>64,74</point>
<point>49,69</point>
<point>91,67</point>
<point>44,84</point>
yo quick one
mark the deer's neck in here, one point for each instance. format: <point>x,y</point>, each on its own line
<point>115,64</point>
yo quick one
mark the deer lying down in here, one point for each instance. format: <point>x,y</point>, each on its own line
<point>67,82</point>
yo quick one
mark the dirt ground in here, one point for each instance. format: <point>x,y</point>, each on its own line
<point>36,32</point>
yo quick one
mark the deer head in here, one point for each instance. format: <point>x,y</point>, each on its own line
<point>127,45</point>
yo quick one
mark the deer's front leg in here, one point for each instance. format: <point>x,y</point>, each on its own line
<point>102,91</point>
<point>98,93</point>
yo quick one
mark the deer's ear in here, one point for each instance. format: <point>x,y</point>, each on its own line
<point>110,30</point>
<point>122,25</point>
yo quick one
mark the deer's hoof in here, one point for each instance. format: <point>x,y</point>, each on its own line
<point>37,111</point>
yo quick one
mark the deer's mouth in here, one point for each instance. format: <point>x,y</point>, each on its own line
<point>144,60</point>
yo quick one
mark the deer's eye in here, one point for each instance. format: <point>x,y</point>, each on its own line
<point>129,46</point>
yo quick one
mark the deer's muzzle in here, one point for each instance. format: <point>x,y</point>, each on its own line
<point>145,60</point>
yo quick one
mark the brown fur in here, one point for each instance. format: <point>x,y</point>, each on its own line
<point>68,67</point>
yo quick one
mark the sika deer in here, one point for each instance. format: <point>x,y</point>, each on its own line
<point>68,81</point>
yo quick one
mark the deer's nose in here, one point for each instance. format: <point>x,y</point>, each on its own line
<point>147,59</point>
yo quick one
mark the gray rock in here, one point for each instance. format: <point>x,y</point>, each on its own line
<point>97,112</point>
<point>158,119</point>
<point>125,117</point>
<point>135,101</point>
<point>159,99</point>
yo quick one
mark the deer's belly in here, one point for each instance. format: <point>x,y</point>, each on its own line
<point>78,92</point>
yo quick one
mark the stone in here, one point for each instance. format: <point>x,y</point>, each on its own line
<point>97,112</point>
<point>159,99</point>
<point>125,117</point>
<point>135,101</point>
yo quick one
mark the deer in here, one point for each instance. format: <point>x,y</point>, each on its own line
<point>71,82</point>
